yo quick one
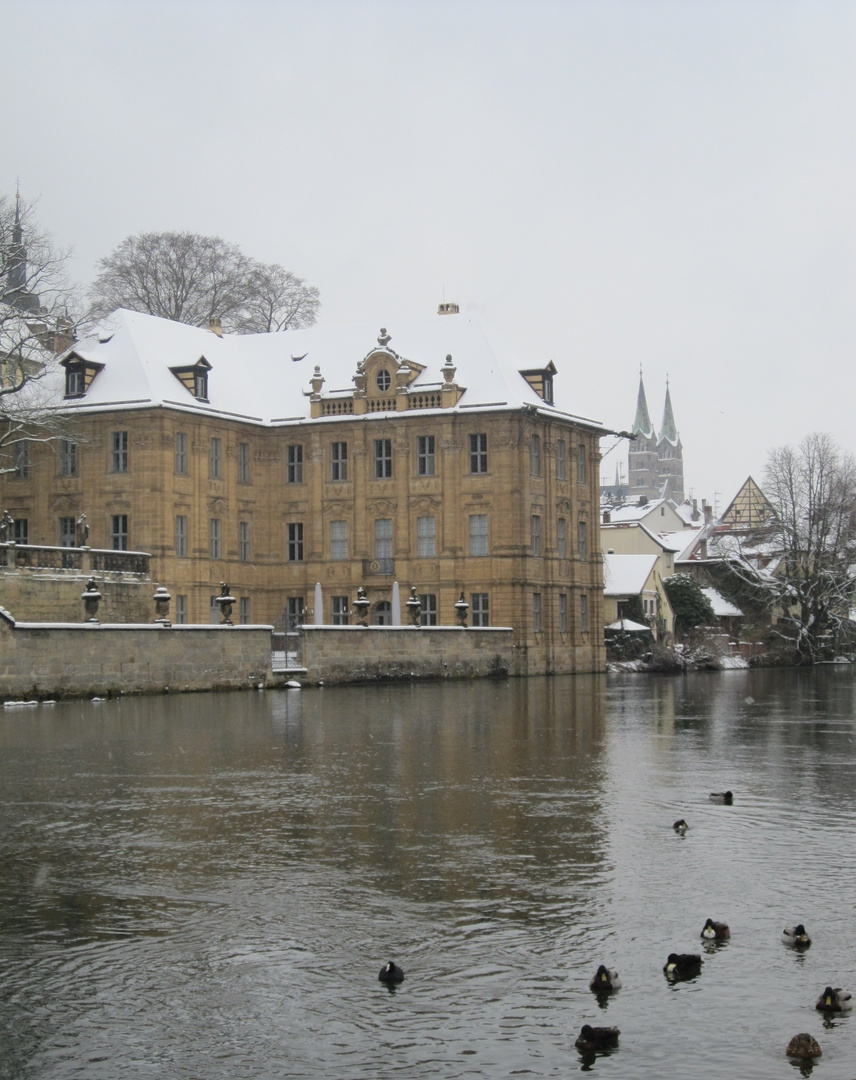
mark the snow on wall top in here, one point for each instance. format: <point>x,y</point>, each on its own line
<point>266,377</point>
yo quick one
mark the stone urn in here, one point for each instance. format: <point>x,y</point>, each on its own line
<point>361,606</point>
<point>461,609</point>
<point>225,601</point>
<point>414,607</point>
<point>162,599</point>
<point>91,598</point>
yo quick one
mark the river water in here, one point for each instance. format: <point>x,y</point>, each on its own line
<point>206,886</point>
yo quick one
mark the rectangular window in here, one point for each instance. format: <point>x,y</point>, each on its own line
<point>21,530</point>
<point>119,532</point>
<point>181,453</point>
<point>561,460</point>
<point>181,536</point>
<point>582,540</point>
<point>535,528</point>
<point>583,613</point>
<point>75,381</point>
<point>294,463</point>
<point>181,608</point>
<point>562,538</point>
<point>244,541</point>
<point>338,540</point>
<point>214,538</point>
<point>295,541</point>
<point>215,459</point>
<point>536,613</point>
<point>581,464</point>
<point>426,537</point>
<point>563,613</point>
<point>67,458</point>
<point>339,461</point>
<point>478,453</point>
<point>243,463</point>
<point>339,610</point>
<point>118,451</point>
<point>66,532</point>
<point>382,459</point>
<point>22,459</point>
<point>478,534</point>
<point>428,613</point>
<point>294,612</point>
<point>425,455</point>
<point>383,539</point>
<point>535,455</point>
<point>243,610</point>
<point>479,610</point>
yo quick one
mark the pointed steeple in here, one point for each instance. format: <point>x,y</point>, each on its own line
<point>642,426</point>
<point>14,291</point>
<point>669,429</point>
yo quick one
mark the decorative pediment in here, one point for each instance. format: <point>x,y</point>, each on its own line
<point>194,378</point>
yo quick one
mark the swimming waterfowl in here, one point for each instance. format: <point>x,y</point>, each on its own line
<point>836,1000</point>
<point>715,931</point>
<point>391,973</point>
<point>597,1038</point>
<point>682,965</point>
<point>725,797</point>
<point>797,936</point>
<point>680,826</point>
<point>604,980</point>
<point>804,1046</point>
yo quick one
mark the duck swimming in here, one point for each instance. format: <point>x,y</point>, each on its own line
<point>605,980</point>
<point>836,1000</point>
<point>391,973</point>
<point>682,965</point>
<point>715,931</point>
<point>597,1038</point>
<point>796,936</point>
<point>680,826</point>
<point>804,1046</point>
<point>725,797</point>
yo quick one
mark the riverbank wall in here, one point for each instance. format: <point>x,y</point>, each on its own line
<point>360,654</point>
<point>53,660</point>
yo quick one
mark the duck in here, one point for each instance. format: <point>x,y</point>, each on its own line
<point>680,826</point>
<point>604,980</point>
<point>725,797</point>
<point>391,973</point>
<point>597,1038</point>
<point>804,1046</point>
<point>836,1000</point>
<point>796,936</point>
<point>682,965</point>
<point>715,931</point>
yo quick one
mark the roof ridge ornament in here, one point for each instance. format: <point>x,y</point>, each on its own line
<point>383,337</point>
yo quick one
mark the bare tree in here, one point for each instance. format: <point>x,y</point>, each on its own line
<point>277,300</point>
<point>37,321</point>
<point>190,278</point>
<point>813,491</point>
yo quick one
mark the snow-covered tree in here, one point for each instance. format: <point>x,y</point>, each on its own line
<point>690,605</point>
<point>37,320</point>
<point>813,491</point>
<point>190,278</point>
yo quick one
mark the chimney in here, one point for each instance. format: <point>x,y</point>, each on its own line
<point>607,517</point>
<point>708,511</point>
<point>696,515</point>
<point>448,309</point>
<point>215,325</point>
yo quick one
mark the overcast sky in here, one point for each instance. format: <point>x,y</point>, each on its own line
<point>610,184</point>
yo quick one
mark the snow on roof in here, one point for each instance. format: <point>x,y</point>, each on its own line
<point>625,575</point>
<point>678,542</point>
<point>722,608</point>
<point>635,512</point>
<point>628,625</point>
<point>266,377</point>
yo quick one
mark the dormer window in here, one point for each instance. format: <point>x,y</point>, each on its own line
<point>194,378</point>
<point>541,381</point>
<point>79,374</point>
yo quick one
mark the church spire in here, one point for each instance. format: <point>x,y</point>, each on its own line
<point>14,291</point>
<point>642,426</point>
<point>669,429</point>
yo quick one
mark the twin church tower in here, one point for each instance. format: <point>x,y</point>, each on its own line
<point>656,466</point>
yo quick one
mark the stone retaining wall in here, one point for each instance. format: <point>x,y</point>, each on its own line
<point>42,660</point>
<point>340,654</point>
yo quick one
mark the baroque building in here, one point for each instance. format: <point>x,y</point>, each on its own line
<point>425,455</point>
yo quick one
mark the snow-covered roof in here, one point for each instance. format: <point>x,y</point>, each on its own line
<point>626,575</point>
<point>265,378</point>
<point>678,542</point>
<point>722,608</point>
<point>635,512</point>
<point>627,624</point>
